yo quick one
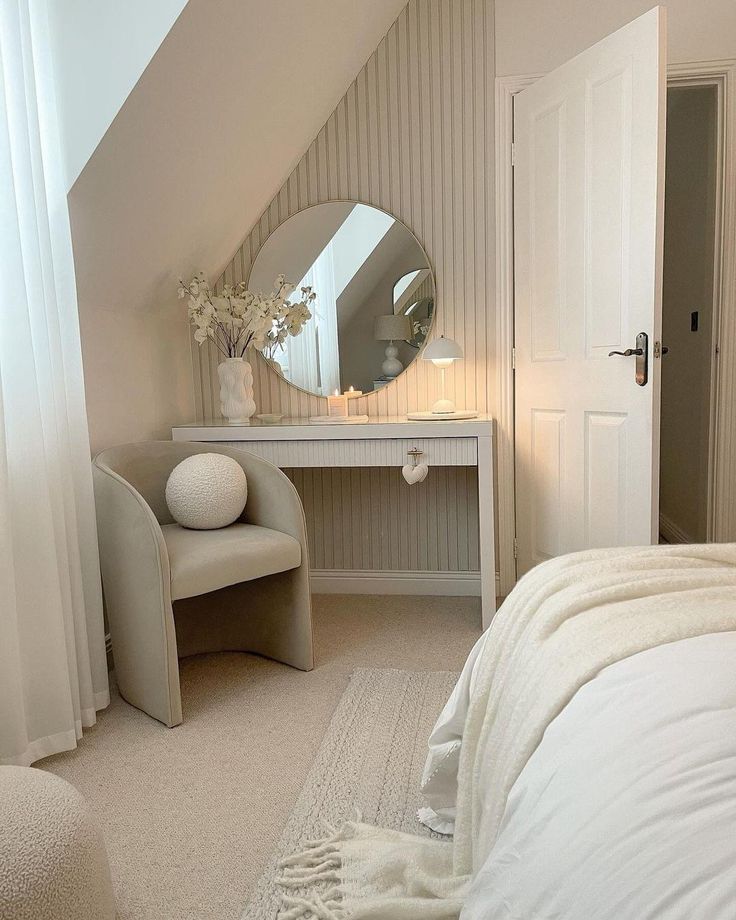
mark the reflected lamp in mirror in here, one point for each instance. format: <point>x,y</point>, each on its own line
<point>392,328</point>
<point>364,265</point>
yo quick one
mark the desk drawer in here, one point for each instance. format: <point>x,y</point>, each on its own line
<point>377,452</point>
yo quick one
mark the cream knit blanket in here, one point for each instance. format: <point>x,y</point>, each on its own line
<point>563,623</point>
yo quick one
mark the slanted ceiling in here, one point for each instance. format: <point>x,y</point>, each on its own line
<point>100,48</point>
<point>222,114</point>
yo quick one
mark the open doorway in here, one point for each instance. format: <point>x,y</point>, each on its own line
<point>689,319</point>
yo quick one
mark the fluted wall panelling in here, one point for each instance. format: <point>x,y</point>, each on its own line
<point>368,518</point>
<point>412,135</point>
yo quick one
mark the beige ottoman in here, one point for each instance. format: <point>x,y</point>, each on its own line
<point>53,864</point>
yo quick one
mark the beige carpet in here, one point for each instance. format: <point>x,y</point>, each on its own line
<point>371,759</point>
<point>191,815</point>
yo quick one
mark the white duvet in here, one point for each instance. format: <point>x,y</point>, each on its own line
<point>627,809</point>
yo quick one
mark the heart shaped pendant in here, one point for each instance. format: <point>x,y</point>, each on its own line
<point>414,474</point>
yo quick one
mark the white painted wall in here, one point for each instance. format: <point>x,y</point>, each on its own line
<point>688,286</point>
<point>535,36</point>
<point>100,49</point>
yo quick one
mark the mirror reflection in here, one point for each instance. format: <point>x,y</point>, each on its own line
<point>375,296</point>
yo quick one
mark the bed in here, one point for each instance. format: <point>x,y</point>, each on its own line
<point>585,764</point>
<point>627,809</point>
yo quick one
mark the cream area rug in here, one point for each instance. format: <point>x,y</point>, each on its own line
<point>370,759</point>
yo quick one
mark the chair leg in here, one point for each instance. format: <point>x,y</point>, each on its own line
<point>269,616</point>
<point>165,708</point>
<point>147,674</point>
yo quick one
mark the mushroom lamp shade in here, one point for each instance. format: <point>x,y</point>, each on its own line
<point>391,328</point>
<point>442,352</point>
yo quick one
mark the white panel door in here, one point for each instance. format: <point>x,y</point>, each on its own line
<point>588,209</point>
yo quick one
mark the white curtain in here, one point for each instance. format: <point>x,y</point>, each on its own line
<point>53,674</point>
<point>313,355</point>
<point>323,282</point>
<point>302,352</point>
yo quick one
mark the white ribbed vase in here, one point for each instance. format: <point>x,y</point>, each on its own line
<point>236,390</point>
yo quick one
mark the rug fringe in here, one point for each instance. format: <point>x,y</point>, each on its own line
<point>318,865</point>
<point>314,908</point>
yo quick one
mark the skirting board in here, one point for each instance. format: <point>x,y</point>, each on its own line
<point>356,581</point>
<point>671,532</point>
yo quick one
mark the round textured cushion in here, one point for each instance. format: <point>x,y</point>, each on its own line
<point>52,858</point>
<point>206,491</point>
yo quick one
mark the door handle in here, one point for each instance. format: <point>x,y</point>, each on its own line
<point>641,374</point>
<point>626,354</point>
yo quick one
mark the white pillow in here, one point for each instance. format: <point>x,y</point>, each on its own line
<point>206,491</point>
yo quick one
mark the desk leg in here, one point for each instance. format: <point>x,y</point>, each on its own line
<point>487,530</point>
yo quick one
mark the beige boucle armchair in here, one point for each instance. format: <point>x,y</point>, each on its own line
<point>172,592</point>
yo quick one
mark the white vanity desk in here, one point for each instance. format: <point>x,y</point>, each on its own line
<point>383,441</point>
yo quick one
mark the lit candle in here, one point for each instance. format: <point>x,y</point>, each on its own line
<point>337,405</point>
<point>353,392</point>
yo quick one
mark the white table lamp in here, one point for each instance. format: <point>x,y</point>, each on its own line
<point>442,352</point>
<point>392,328</point>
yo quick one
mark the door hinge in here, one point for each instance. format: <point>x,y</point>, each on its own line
<point>516,548</point>
<point>513,153</point>
<point>513,359</point>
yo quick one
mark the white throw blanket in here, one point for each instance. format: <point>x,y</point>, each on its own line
<point>564,622</point>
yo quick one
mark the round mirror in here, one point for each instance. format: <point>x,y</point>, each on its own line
<point>374,301</point>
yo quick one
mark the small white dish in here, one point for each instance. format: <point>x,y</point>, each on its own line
<point>442,416</point>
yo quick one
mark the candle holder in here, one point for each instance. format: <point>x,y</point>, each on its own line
<point>338,410</point>
<point>337,406</point>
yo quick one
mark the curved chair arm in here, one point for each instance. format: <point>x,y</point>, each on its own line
<point>285,630</point>
<point>137,589</point>
<point>272,499</point>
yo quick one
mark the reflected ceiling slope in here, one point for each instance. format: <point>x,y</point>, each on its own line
<point>227,106</point>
